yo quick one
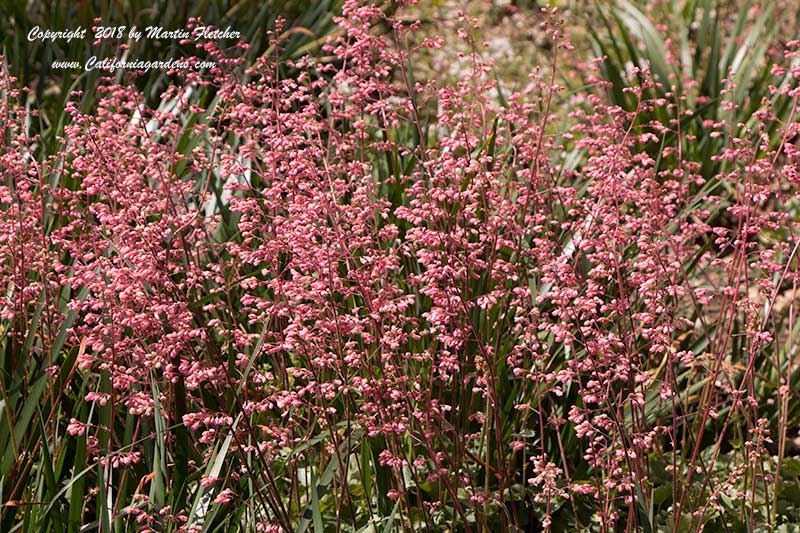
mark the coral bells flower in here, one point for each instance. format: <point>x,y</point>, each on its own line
<point>547,474</point>
<point>226,496</point>
<point>293,272</point>
<point>75,427</point>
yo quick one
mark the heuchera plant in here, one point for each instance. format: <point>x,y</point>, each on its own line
<point>334,296</point>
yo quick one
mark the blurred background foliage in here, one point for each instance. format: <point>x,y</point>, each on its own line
<point>307,24</point>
